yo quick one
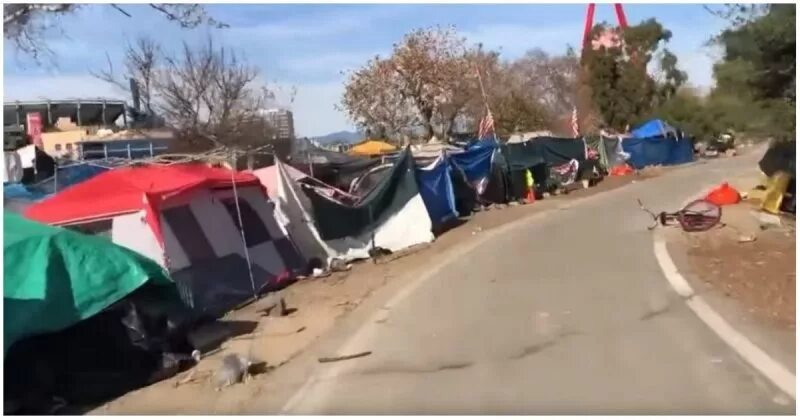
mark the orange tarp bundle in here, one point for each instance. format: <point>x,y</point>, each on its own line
<point>724,195</point>
<point>372,148</point>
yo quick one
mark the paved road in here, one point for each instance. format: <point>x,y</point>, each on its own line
<point>565,314</point>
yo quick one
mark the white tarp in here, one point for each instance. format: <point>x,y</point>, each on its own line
<point>523,137</point>
<point>12,168</point>
<point>409,225</point>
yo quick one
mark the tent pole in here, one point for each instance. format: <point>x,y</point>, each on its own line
<point>241,227</point>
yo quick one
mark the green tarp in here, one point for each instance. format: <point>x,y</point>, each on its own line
<point>54,277</point>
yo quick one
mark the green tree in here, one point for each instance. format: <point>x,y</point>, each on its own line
<point>758,68</point>
<point>616,70</point>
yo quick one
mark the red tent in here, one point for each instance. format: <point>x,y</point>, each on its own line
<point>130,189</point>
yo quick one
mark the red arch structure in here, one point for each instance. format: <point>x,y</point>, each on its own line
<point>621,20</point>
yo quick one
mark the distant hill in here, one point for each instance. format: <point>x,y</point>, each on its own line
<point>346,137</point>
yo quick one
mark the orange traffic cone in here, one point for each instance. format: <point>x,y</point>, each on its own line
<point>530,197</point>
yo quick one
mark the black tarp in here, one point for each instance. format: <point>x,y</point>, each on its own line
<point>137,341</point>
<point>779,157</point>
<point>549,150</point>
<point>333,168</point>
<point>43,168</point>
<point>335,220</point>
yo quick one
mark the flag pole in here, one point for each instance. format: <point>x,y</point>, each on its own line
<point>483,94</point>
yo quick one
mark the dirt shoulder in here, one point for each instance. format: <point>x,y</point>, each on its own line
<point>320,303</point>
<point>751,283</point>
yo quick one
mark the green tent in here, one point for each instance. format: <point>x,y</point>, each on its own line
<point>54,277</point>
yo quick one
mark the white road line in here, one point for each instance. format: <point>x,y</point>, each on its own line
<point>760,360</point>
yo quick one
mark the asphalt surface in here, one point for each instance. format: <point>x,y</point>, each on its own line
<point>564,314</point>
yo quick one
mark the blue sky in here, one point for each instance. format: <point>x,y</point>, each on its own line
<point>309,46</point>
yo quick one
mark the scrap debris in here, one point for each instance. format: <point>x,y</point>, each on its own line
<point>341,358</point>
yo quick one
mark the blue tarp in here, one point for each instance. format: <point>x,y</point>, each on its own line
<point>476,163</point>
<point>653,128</point>
<point>658,151</point>
<point>18,196</point>
<point>436,188</point>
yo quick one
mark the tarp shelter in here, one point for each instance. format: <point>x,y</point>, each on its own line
<point>18,197</point>
<point>333,168</point>
<point>372,148</point>
<point>654,128</point>
<point>661,150</point>
<point>779,157</point>
<point>186,218</point>
<point>391,216</point>
<point>539,155</point>
<point>609,149</point>
<point>436,188</point>
<point>85,320</point>
<point>54,277</point>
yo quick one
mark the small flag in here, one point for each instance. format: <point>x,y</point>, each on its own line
<point>486,125</point>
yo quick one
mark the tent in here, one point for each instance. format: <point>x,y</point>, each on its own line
<point>186,217</point>
<point>333,168</point>
<point>372,148</point>
<point>436,188</point>
<point>391,216</point>
<point>53,277</point>
<point>658,151</point>
<point>654,128</point>
<point>540,155</point>
<point>269,177</point>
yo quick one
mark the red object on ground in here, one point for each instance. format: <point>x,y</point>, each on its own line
<point>724,195</point>
<point>621,170</point>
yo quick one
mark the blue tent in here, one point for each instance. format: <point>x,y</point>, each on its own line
<point>658,151</point>
<point>657,143</point>
<point>654,128</point>
<point>436,188</point>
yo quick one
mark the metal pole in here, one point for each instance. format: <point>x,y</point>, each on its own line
<point>105,150</point>
<point>55,177</point>
<point>129,152</point>
<point>485,97</point>
<point>104,113</point>
<point>151,149</point>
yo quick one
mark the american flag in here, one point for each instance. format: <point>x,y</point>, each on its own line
<point>486,125</point>
<point>575,129</point>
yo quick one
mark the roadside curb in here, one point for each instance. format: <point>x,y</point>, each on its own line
<point>778,374</point>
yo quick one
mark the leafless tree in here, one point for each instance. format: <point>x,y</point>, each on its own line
<point>26,24</point>
<point>208,94</point>
<point>142,60</point>
<point>552,80</point>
